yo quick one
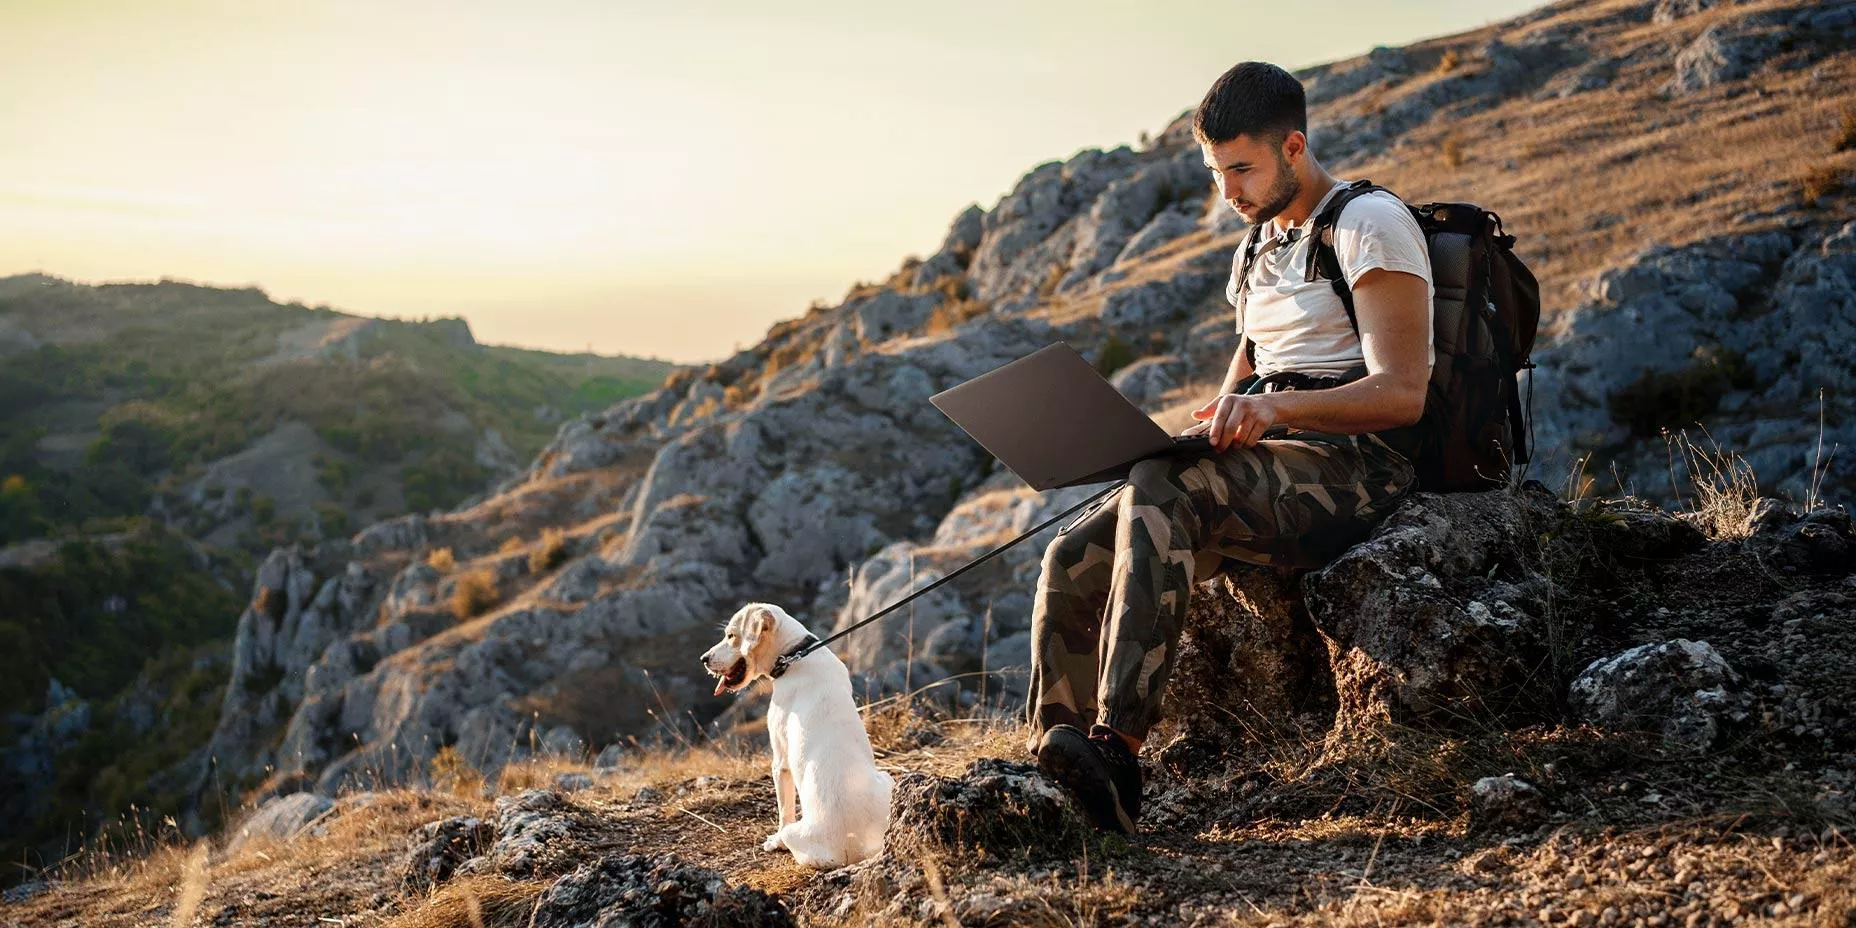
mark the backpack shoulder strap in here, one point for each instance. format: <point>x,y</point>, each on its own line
<point>1242,263</point>
<point>1323,260</point>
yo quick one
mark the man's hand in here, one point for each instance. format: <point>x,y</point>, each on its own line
<point>1234,419</point>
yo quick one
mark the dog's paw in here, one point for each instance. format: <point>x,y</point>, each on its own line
<point>772,843</point>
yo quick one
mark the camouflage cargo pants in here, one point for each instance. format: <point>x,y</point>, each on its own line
<point>1112,597</point>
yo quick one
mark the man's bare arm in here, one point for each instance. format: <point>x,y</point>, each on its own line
<point>1393,312</point>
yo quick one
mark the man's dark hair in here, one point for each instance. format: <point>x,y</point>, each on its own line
<point>1255,98</point>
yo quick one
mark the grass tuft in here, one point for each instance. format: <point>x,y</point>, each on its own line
<point>549,551</point>
<point>442,560</point>
<point>474,593</point>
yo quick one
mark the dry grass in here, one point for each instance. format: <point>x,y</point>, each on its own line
<point>1675,172</point>
<point>1846,132</point>
<point>441,560</point>
<point>1453,152</point>
<point>511,545</point>
<point>449,772</point>
<point>474,593</point>
<point>475,902</point>
<point>1820,181</point>
<point>948,316</point>
<point>549,551</point>
<point>1449,61</point>
<point>1726,492</point>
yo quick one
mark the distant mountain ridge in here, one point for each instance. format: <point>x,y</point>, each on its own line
<point>221,399</point>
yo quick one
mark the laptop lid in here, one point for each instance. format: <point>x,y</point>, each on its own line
<point>1053,420</point>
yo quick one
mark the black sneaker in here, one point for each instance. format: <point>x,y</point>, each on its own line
<point>1099,769</point>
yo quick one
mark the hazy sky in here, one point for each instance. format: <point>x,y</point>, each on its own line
<point>654,178</point>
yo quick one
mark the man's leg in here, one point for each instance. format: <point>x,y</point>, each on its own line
<point>1066,623</point>
<point>1295,502</point>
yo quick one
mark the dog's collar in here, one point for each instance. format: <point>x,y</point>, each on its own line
<point>781,663</point>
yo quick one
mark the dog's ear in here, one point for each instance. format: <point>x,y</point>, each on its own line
<point>762,623</point>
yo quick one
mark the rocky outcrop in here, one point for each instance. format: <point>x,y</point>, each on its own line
<point>1476,612</point>
<point>1714,333</point>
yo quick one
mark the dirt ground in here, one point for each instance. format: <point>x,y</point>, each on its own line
<point>1655,841</point>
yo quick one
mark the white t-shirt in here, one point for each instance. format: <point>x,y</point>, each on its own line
<point>1298,325</point>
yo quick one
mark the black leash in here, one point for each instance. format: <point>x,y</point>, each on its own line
<point>813,643</point>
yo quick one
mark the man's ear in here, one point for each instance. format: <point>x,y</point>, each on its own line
<point>1293,145</point>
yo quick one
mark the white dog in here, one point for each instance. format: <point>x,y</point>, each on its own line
<point>820,749</point>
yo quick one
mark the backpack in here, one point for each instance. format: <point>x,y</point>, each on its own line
<point>1485,314</point>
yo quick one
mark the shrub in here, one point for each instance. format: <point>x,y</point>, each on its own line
<point>1819,182</point>
<point>549,552</point>
<point>511,545</point>
<point>1115,355</point>
<point>947,316</point>
<point>1846,133</point>
<point>1051,279</point>
<point>1449,61</point>
<point>1675,399</point>
<point>1453,153</point>
<point>442,559</point>
<point>473,593</point>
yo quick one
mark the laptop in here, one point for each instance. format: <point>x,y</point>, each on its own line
<point>1056,422</point>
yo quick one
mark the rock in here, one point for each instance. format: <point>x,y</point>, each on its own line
<point>1683,689</point>
<point>280,819</point>
<point>439,848</point>
<point>888,313</point>
<point>1668,11</point>
<point>1156,303</point>
<point>636,890</point>
<point>1418,628</point>
<point>1724,52</point>
<point>536,831</point>
<point>609,757</point>
<point>1167,225</point>
<point>1506,801</point>
<point>1250,665</point>
<point>562,741</point>
<point>995,807</point>
<point>402,534</point>
<point>572,782</point>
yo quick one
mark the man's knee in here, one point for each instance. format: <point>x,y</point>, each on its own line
<point>1151,475</point>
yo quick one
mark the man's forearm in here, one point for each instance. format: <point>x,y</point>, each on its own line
<point>1370,404</point>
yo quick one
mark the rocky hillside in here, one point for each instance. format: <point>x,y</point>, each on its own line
<point>1678,173</point>
<point>156,440</point>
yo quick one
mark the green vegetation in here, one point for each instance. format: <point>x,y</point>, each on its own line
<point>1677,399</point>
<point>92,614</point>
<point>134,389</point>
<point>1115,355</point>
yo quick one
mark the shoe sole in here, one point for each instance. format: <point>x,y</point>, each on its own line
<point>1075,765</point>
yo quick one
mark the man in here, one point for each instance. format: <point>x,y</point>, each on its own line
<point>1112,598</point>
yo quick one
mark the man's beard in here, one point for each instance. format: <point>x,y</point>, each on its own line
<point>1281,194</point>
